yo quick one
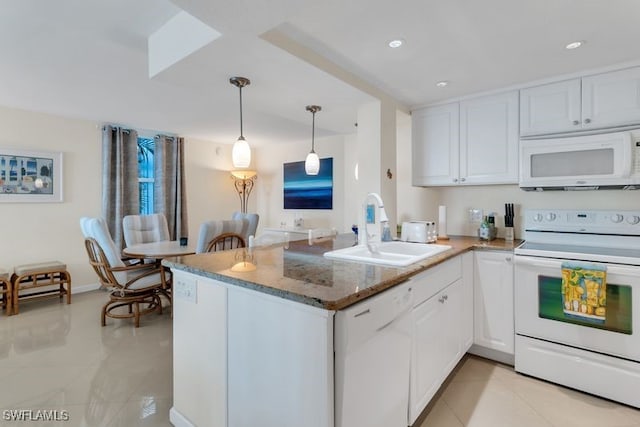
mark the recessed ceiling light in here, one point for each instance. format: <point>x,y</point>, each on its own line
<point>396,43</point>
<point>442,83</point>
<point>574,45</point>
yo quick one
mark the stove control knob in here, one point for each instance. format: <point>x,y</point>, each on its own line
<point>537,217</point>
<point>633,220</point>
<point>616,218</point>
<point>551,216</point>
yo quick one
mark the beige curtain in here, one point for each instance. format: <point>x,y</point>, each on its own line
<point>169,185</point>
<point>120,191</point>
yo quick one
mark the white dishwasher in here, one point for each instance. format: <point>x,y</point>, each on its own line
<point>372,359</point>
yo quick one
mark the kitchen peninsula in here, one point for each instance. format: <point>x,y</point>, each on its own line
<point>255,330</point>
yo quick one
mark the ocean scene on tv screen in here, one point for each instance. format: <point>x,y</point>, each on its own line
<point>302,191</point>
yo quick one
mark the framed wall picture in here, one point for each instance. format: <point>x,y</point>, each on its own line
<point>302,191</point>
<point>30,176</point>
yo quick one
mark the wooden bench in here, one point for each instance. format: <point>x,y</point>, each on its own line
<point>29,276</point>
<point>6,291</point>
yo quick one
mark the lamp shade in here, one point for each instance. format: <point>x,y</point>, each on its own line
<point>312,164</point>
<point>241,154</point>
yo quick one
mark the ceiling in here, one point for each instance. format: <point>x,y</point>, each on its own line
<point>88,58</point>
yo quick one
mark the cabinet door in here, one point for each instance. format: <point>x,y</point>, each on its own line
<point>427,358</point>
<point>438,325</point>
<point>611,99</point>
<point>435,138</point>
<point>453,324</point>
<point>489,139</point>
<point>493,301</point>
<point>550,108</point>
<point>467,301</point>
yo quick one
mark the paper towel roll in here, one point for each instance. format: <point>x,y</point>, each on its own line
<point>442,222</point>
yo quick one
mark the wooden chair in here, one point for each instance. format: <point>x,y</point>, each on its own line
<point>145,229</point>
<point>6,291</point>
<point>226,241</point>
<point>137,287</point>
<point>209,230</point>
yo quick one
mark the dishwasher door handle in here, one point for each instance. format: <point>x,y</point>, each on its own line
<point>362,313</point>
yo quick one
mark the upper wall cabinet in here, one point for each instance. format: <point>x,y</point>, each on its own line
<point>435,143</point>
<point>466,143</point>
<point>593,102</point>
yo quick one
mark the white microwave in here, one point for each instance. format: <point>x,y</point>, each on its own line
<point>591,162</point>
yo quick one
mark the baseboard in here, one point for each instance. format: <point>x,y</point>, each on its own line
<point>179,420</point>
<point>488,353</point>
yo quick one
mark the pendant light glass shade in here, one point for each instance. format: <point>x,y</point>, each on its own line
<point>312,163</point>
<point>241,153</point>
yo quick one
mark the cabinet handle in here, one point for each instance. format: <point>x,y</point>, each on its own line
<point>455,179</point>
<point>576,122</point>
<point>446,297</point>
<point>508,259</point>
<point>463,179</point>
<point>441,300</point>
<point>367,311</point>
<point>587,120</point>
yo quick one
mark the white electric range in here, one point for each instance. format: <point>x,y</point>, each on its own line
<point>590,342</point>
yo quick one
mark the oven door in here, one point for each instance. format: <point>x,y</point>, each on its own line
<point>540,310</point>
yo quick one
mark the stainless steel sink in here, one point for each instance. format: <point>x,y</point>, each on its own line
<point>395,254</point>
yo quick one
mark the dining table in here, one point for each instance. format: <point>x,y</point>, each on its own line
<point>159,250</point>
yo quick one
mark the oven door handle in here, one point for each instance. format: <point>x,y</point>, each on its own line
<point>537,262</point>
<point>525,260</point>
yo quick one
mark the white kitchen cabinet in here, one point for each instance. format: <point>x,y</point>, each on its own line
<point>440,330</point>
<point>466,143</point>
<point>493,301</point>
<point>235,364</point>
<point>435,144</point>
<point>489,139</point>
<point>592,102</point>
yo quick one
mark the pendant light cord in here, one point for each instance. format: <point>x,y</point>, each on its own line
<point>241,135</point>
<point>313,132</point>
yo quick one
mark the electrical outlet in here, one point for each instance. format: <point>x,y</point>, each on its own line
<point>475,215</point>
<point>186,290</point>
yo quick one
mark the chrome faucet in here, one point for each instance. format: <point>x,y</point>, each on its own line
<point>371,240</point>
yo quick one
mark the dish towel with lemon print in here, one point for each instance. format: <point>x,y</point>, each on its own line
<point>584,290</point>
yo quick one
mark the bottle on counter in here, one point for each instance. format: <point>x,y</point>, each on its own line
<point>386,232</point>
<point>484,232</point>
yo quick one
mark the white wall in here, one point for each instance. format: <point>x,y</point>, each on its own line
<point>34,232</point>
<point>414,203</point>
<point>269,185</point>
<point>492,198</point>
<point>210,191</point>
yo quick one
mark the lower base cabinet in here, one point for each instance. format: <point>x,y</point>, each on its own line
<point>442,326</point>
<point>493,306</point>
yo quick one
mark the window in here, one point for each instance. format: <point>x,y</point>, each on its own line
<point>145,174</point>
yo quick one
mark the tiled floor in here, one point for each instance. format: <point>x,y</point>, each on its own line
<point>57,357</point>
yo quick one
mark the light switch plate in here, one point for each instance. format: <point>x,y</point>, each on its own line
<point>186,290</point>
<point>475,215</point>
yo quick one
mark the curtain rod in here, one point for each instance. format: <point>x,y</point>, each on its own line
<point>116,127</point>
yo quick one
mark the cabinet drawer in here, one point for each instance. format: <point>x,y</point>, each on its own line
<point>430,282</point>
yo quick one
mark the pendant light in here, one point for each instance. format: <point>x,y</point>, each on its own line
<point>312,163</point>
<point>241,153</point>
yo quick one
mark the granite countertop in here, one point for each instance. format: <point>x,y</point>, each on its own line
<point>299,271</point>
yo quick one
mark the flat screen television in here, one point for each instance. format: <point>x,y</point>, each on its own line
<point>302,191</point>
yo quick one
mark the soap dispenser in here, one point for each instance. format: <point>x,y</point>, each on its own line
<point>386,232</point>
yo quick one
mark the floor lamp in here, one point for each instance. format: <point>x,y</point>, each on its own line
<point>244,180</point>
